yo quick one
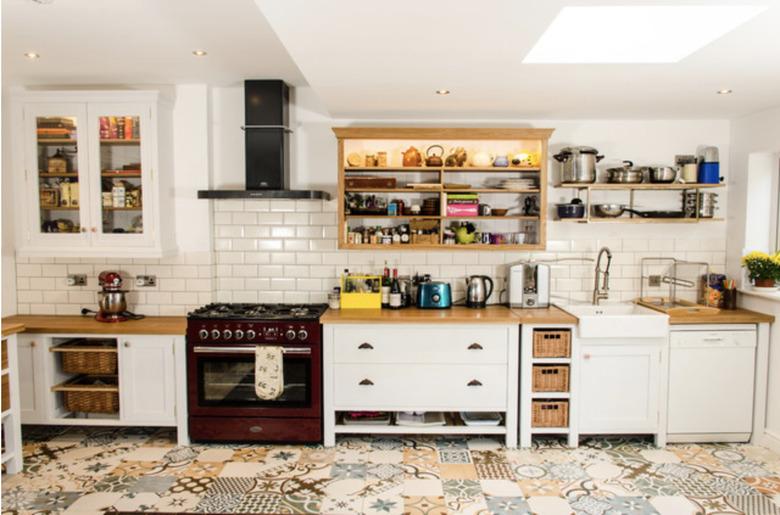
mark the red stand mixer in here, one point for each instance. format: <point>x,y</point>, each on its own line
<point>111,299</point>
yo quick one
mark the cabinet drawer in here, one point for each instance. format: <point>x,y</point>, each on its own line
<point>429,387</point>
<point>420,344</point>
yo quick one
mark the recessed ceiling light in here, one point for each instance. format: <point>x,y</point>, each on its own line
<point>32,55</point>
<point>630,34</point>
<point>723,91</point>
<point>442,92</point>
<point>199,53</point>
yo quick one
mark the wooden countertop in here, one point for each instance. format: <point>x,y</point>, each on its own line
<point>454,315</point>
<point>11,328</point>
<point>88,325</point>
<point>724,316</point>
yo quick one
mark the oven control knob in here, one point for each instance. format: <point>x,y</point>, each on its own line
<point>227,334</point>
<point>250,334</point>
<point>215,334</point>
<point>303,334</point>
<point>203,334</point>
<point>290,334</point>
<point>239,334</point>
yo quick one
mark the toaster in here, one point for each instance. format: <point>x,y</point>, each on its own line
<point>529,285</point>
<point>434,295</point>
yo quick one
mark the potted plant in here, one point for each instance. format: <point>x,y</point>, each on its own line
<point>763,269</point>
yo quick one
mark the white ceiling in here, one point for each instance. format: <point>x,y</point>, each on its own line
<point>384,60</point>
<point>370,61</point>
<point>140,41</point>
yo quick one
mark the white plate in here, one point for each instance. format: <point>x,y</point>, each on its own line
<point>765,288</point>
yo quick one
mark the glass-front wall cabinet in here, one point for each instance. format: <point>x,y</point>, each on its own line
<point>121,185</point>
<point>59,206</point>
<point>90,186</point>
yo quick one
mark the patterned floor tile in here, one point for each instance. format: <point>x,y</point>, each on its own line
<point>344,505</point>
<point>457,471</point>
<point>383,505</point>
<point>508,506</point>
<point>81,470</point>
<point>548,505</point>
<point>540,487</point>
<point>423,488</point>
<point>425,506</point>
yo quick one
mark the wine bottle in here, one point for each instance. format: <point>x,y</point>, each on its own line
<point>395,291</point>
<point>386,287</point>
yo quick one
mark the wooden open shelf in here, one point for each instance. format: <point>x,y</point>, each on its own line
<point>57,141</point>
<point>61,208</point>
<point>120,141</point>
<point>46,175</point>
<point>121,173</point>
<point>640,220</point>
<point>433,217</point>
<point>496,140</point>
<point>108,208</point>
<point>641,186</point>
<point>436,169</point>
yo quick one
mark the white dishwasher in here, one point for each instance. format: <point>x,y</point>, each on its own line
<point>711,381</point>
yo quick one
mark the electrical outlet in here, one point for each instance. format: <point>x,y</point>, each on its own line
<point>145,281</point>
<point>654,281</point>
<point>76,280</point>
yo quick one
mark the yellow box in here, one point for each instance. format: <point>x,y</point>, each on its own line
<point>361,299</point>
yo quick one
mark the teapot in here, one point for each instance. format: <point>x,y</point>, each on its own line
<point>482,159</point>
<point>434,159</point>
<point>457,157</point>
<point>412,157</point>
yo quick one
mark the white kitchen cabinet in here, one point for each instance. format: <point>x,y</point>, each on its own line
<point>147,378</point>
<point>94,173</point>
<point>152,382</point>
<point>711,381</point>
<point>32,394</point>
<point>420,367</point>
<point>619,388</point>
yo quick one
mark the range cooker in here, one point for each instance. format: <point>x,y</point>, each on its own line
<point>221,344</point>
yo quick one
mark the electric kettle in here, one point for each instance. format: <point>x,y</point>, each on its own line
<point>478,290</point>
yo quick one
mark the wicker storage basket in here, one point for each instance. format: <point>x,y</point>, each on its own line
<point>88,356</point>
<point>550,413</point>
<point>90,394</point>
<point>552,343</point>
<point>550,378</point>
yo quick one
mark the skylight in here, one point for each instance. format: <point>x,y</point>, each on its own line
<point>635,34</point>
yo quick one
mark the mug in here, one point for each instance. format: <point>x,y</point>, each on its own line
<point>689,173</point>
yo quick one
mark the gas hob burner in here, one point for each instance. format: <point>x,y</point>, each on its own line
<point>259,311</point>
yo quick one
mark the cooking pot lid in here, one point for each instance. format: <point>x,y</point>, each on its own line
<point>579,150</point>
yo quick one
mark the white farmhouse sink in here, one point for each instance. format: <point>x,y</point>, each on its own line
<point>618,321</point>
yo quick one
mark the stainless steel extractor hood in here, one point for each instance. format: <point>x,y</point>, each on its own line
<point>267,140</point>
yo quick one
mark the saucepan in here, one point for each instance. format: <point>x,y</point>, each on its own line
<point>660,174</point>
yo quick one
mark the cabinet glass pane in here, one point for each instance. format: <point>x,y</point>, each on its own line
<point>58,176</point>
<point>120,174</point>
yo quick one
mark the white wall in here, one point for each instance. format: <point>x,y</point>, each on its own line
<point>755,142</point>
<point>758,133</point>
<point>9,264</point>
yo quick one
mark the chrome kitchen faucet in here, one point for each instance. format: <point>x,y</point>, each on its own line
<point>602,291</point>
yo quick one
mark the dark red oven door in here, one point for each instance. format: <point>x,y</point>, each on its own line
<point>221,382</point>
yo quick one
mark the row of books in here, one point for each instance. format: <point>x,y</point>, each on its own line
<point>119,127</point>
<point>56,127</point>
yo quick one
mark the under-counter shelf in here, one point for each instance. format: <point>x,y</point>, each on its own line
<point>446,169</point>
<point>454,425</point>
<point>639,220</point>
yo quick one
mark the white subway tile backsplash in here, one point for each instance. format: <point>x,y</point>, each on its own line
<point>286,251</point>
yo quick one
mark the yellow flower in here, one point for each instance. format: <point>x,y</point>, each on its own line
<point>755,256</point>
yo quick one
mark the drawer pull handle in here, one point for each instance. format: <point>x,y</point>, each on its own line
<point>256,429</point>
<point>475,346</point>
<point>366,382</point>
<point>474,382</point>
<point>365,346</point>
